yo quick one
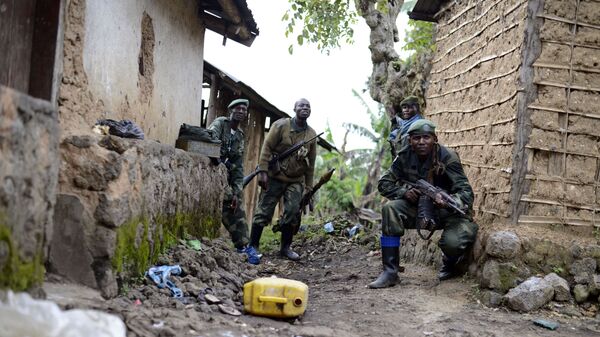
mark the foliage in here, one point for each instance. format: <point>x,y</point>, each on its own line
<point>324,23</point>
<point>344,191</point>
<point>327,22</point>
<point>419,36</point>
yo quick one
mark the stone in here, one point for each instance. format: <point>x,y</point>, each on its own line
<point>108,183</point>
<point>104,243</point>
<point>584,266</point>
<point>562,292</point>
<point>532,294</point>
<point>69,236</point>
<point>29,166</point>
<point>112,211</point>
<point>581,293</point>
<point>594,285</point>
<point>501,276</point>
<point>491,299</point>
<point>192,289</point>
<point>503,245</point>
<point>82,142</point>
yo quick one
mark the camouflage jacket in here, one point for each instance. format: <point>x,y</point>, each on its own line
<point>232,153</point>
<point>406,166</point>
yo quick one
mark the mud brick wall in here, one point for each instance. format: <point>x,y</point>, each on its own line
<point>473,94</point>
<point>122,202</point>
<point>28,182</point>
<point>563,149</point>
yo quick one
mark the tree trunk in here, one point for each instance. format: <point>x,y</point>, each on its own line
<point>390,80</point>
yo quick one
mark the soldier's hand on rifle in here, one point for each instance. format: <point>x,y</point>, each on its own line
<point>439,201</point>
<point>263,180</point>
<point>234,202</point>
<point>412,195</point>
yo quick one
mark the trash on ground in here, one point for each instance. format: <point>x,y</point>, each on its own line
<point>551,325</point>
<point>328,227</point>
<point>275,297</point>
<point>211,299</point>
<point>160,276</point>
<point>350,232</point>
<point>21,315</point>
<point>194,244</point>
<point>229,310</point>
<point>123,128</point>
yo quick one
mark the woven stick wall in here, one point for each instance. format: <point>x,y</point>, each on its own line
<point>563,150</point>
<point>529,144</point>
<point>473,92</point>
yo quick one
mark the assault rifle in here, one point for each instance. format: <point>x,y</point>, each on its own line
<point>277,158</point>
<point>305,201</point>
<point>431,191</point>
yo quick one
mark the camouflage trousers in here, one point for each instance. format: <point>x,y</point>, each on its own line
<point>292,195</point>
<point>234,221</point>
<point>458,232</point>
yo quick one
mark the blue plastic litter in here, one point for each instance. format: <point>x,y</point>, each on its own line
<point>160,276</point>
<point>328,227</point>
<point>355,229</point>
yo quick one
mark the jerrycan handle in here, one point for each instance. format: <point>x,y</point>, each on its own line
<point>273,299</point>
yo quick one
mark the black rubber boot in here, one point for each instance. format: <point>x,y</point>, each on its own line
<point>255,235</point>
<point>448,269</point>
<point>389,277</point>
<point>286,241</point>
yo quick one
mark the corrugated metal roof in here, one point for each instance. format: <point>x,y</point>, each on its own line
<point>230,18</point>
<point>271,110</point>
<point>425,10</point>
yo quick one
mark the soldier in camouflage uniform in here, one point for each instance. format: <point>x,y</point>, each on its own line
<point>227,130</point>
<point>294,179</point>
<point>409,113</point>
<point>440,166</point>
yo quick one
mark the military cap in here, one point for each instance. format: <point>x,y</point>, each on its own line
<point>422,126</point>
<point>238,102</point>
<point>410,100</point>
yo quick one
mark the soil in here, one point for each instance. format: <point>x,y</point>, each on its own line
<point>336,270</point>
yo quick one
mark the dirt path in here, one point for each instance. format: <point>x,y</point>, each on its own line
<point>340,305</point>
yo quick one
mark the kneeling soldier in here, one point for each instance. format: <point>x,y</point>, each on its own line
<point>424,159</point>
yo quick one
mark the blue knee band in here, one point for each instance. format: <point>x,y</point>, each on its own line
<point>390,241</point>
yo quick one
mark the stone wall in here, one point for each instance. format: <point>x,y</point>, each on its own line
<point>121,202</point>
<point>28,182</point>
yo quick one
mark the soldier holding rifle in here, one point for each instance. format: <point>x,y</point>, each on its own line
<point>410,206</point>
<point>290,177</point>
<point>228,131</point>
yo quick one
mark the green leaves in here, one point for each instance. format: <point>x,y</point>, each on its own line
<point>419,37</point>
<point>321,22</point>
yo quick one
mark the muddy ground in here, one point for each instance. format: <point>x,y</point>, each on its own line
<point>336,270</point>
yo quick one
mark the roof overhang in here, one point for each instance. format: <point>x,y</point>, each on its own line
<point>245,90</point>
<point>230,18</point>
<point>426,10</point>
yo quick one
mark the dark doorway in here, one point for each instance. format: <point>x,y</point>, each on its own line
<point>28,41</point>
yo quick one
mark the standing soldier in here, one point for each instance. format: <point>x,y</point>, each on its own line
<point>424,159</point>
<point>227,130</point>
<point>294,177</point>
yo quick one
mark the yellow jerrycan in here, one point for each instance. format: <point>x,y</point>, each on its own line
<point>275,297</point>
